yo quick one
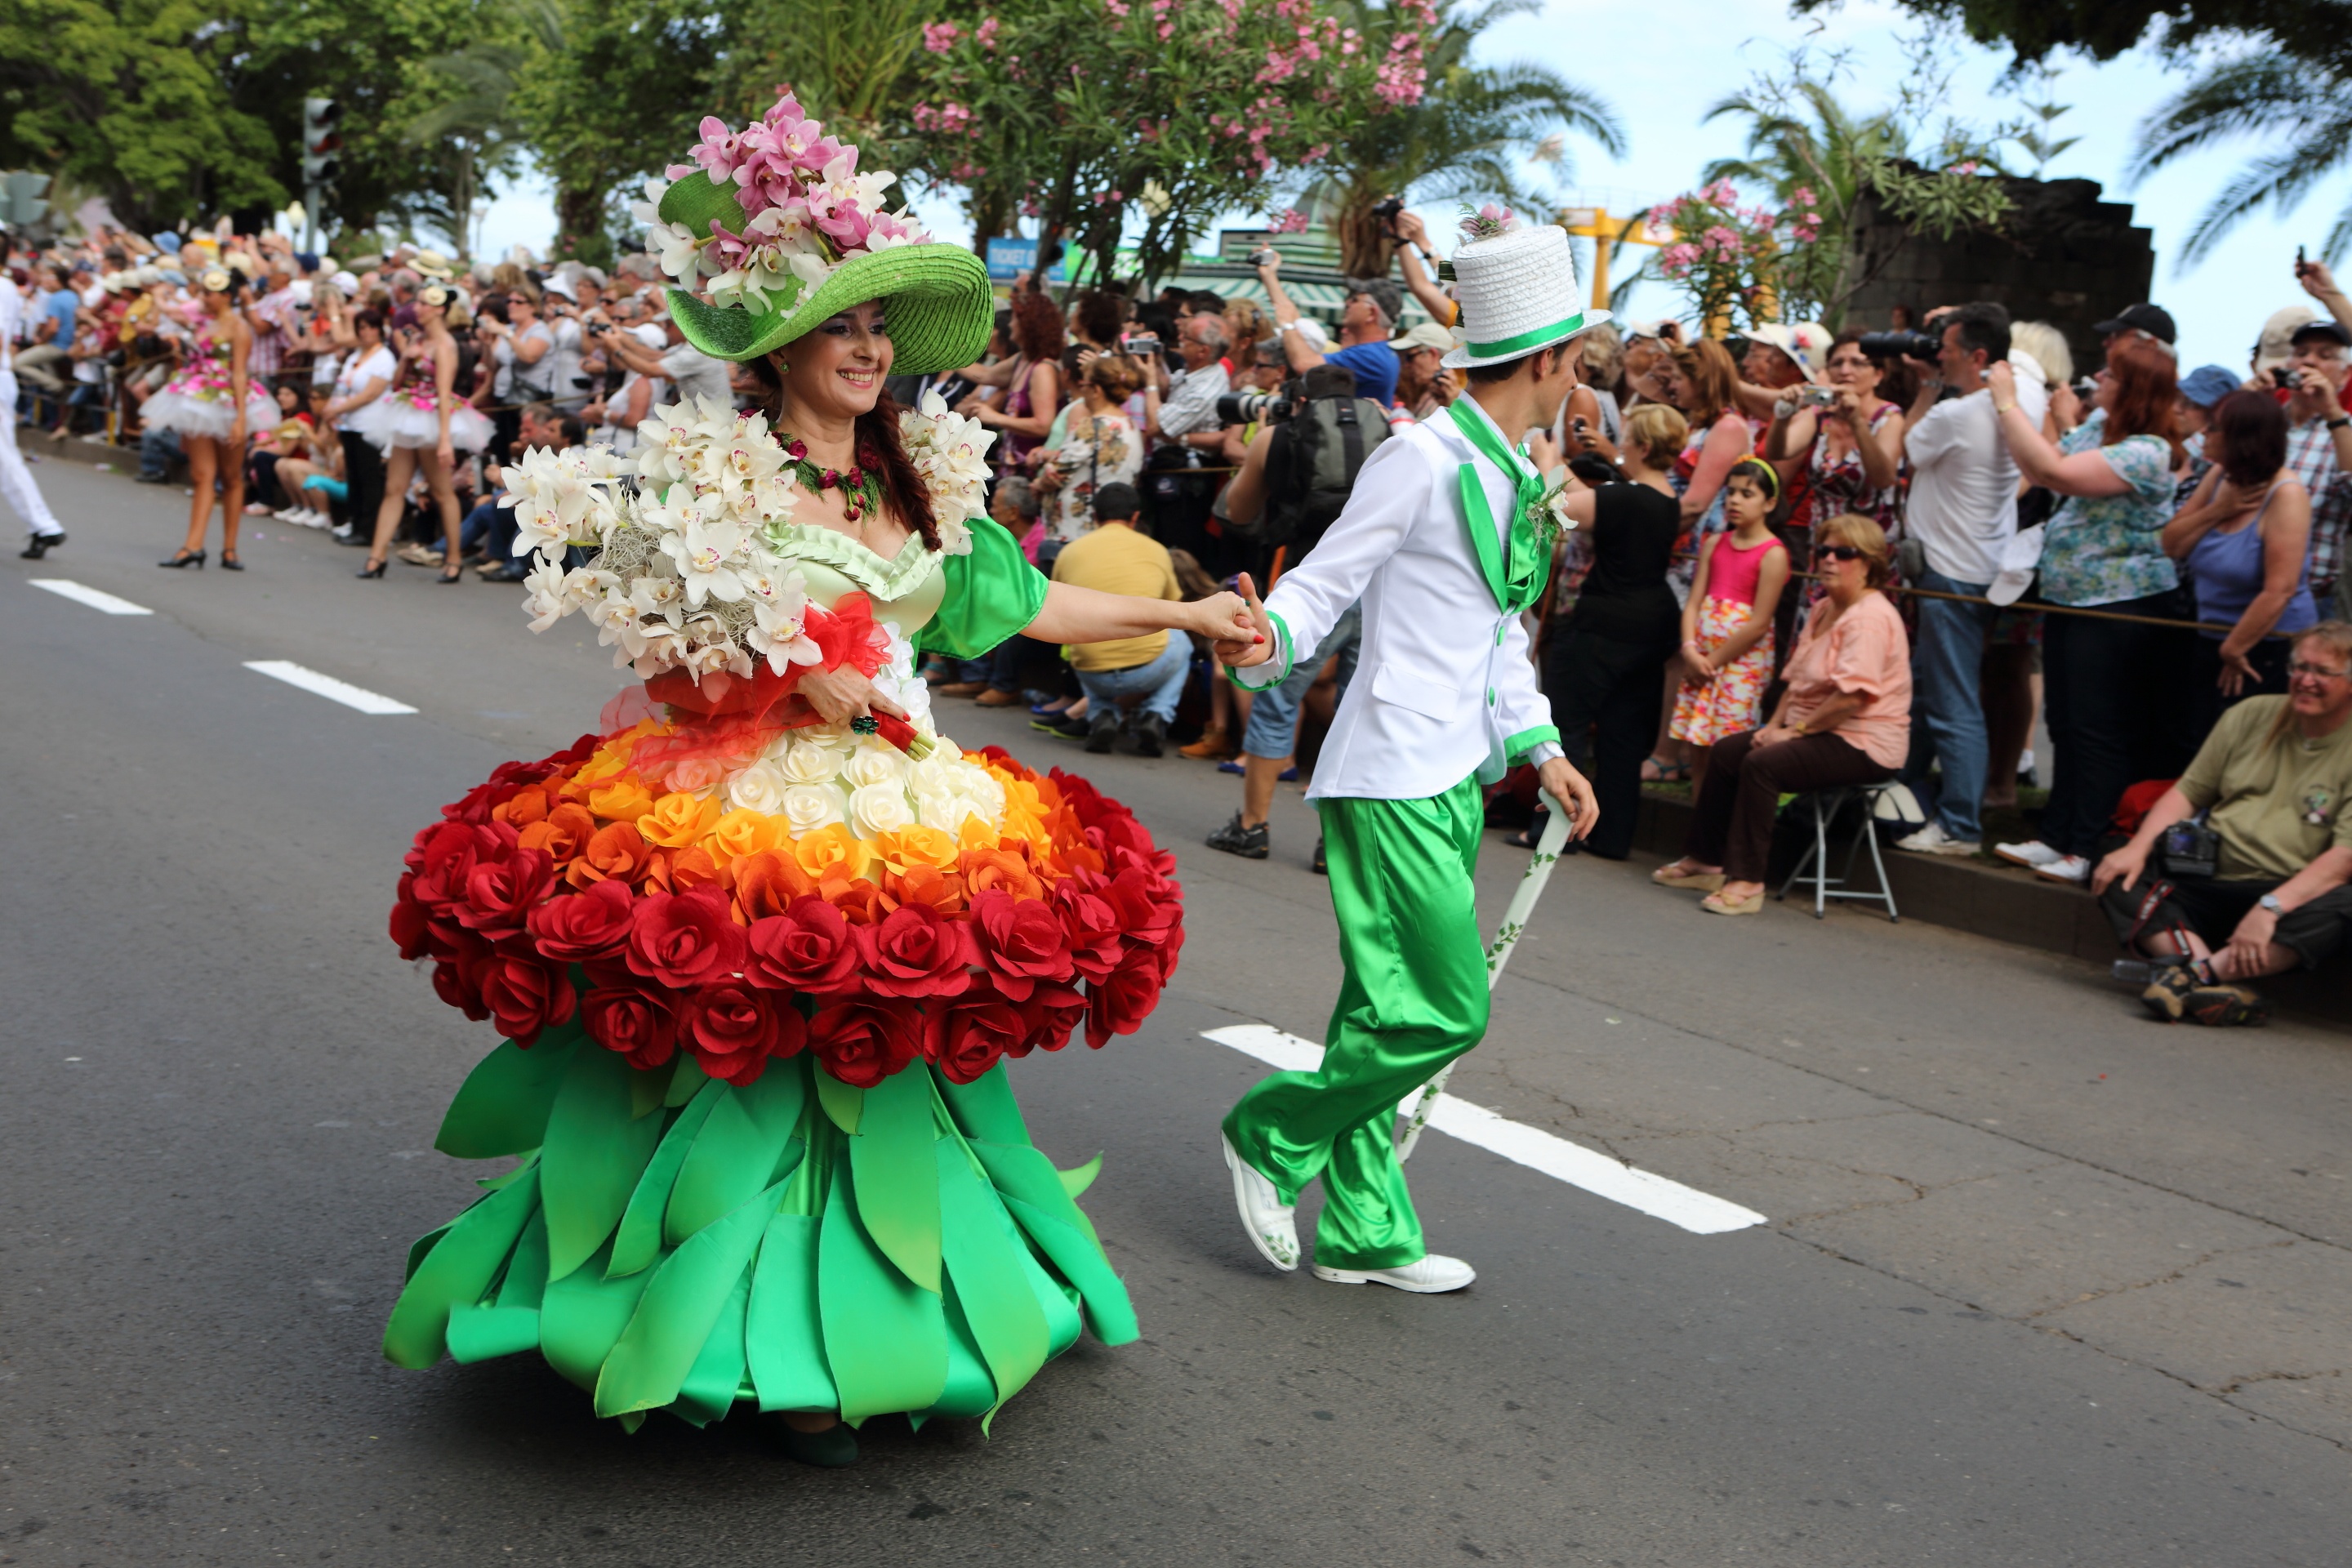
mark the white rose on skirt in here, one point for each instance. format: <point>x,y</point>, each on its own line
<point>876,762</point>
<point>758,787</point>
<point>807,762</point>
<point>809,806</point>
<point>880,808</point>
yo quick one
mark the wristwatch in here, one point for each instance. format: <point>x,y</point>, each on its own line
<point>2270,901</point>
<point>2340,421</point>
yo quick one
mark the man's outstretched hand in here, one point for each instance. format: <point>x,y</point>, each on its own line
<point>1236,654</point>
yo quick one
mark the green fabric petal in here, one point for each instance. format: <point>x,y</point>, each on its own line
<point>583,1318</point>
<point>783,1339</point>
<point>525,1284</point>
<point>457,1272</point>
<point>983,1264</point>
<point>738,1150</point>
<point>594,1153</point>
<point>841,1101</point>
<point>682,1304</point>
<point>885,1337</point>
<point>638,1243</point>
<point>711,1388</point>
<point>984,1108</point>
<point>891,1155</point>
<point>991,593</point>
<point>502,1106</point>
<point>480,1333</point>
<point>970,1390</point>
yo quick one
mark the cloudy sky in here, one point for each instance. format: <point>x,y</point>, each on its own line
<point>1663,76</point>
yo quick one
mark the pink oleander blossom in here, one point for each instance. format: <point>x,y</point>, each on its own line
<point>939,38</point>
<point>985,34</point>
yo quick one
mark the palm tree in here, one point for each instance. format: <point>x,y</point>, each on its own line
<point>475,129</point>
<point>1465,139</point>
<point>2302,109</point>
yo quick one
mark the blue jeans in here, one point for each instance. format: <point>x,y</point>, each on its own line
<point>1947,720</point>
<point>1154,687</point>
<point>1273,732</point>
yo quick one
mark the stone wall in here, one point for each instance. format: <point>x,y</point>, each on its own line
<point>2063,257</point>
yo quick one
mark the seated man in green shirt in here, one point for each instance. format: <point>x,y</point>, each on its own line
<point>2274,779</point>
<point>1146,673</point>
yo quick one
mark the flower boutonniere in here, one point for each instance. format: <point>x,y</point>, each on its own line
<point>1549,511</point>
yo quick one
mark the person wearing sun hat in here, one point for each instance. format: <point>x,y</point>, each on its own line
<point>769,934</point>
<point>1445,540</point>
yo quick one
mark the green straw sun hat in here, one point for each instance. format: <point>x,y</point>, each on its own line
<point>788,234</point>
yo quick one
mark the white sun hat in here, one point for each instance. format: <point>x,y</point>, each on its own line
<point>1519,294</point>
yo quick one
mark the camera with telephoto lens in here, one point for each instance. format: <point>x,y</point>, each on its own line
<point>1389,209</point>
<point>1901,345</point>
<point>1257,408</point>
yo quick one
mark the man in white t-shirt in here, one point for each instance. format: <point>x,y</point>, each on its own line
<point>1963,512</point>
<point>16,487</point>
<point>688,371</point>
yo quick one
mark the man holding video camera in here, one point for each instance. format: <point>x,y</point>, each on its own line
<point>1368,319</point>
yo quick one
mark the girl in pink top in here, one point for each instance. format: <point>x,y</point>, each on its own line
<point>1728,620</point>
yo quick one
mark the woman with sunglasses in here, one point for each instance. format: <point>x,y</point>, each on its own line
<point>1846,719</point>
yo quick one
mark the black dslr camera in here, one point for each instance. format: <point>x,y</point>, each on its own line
<point>1255,407</point>
<point>1902,345</point>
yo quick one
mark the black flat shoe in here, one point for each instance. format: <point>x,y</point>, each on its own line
<point>374,571</point>
<point>830,1449</point>
<point>39,544</point>
<point>230,562</point>
<point>185,559</point>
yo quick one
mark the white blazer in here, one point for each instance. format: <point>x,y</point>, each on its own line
<point>1444,686</point>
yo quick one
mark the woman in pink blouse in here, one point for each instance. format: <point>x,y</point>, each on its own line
<point>1844,720</point>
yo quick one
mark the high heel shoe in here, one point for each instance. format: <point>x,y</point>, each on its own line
<point>185,559</point>
<point>374,569</point>
<point>456,576</point>
<point>230,562</point>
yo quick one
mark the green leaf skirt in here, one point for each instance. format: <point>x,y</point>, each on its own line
<point>670,1242</point>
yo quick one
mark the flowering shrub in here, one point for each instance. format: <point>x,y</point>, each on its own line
<point>689,571</point>
<point>952,909</point>
<point>1739,265</point>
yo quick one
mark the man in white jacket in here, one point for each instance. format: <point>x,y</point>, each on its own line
<point>1446,539</point>
<point>44,532</point>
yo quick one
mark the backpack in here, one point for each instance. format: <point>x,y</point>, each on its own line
<point>1311,466</point>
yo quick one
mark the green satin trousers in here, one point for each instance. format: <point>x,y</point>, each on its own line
<point>1412,999</point>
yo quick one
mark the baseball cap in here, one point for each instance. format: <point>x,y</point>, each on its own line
<point>2153,319</point>
<point>2321,327</point>
<point>2276,345</point>
<point>556,283</point>
<point>2207,384</point>
<point>1428,335</point>
<point>1383,291</point>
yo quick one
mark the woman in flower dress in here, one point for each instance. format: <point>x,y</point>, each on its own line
<point>422,424</point>
<point>760,943</point>
<point>214,405</point>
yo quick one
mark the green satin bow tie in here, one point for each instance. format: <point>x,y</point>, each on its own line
<point>1517,579</point>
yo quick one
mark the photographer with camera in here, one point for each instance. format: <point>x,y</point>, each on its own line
<point>2319,443</point>
<point>566,378</point>
<point>1367,319</point>
<point>1962,513</point>
<point>1294,483</point>
<point>1420,262</point>
<point>1848,439</point>
<point>690,372</point>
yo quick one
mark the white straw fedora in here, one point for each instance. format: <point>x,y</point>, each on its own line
<point>1519,294</point>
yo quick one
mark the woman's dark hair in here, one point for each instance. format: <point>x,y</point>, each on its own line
<point>1157,321</point>
<point>1098,314</point>
<point>2247,438</point>
<point>879,451</point>
<point>369,317</point>
<point>1036,327</point>
<point>1764,475</point>
<point>2148,394</point>
<point>1707,368</point>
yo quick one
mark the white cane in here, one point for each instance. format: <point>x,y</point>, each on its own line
<point>1498,954</point>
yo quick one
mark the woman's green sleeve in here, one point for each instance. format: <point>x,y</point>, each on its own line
<point>991,593</point>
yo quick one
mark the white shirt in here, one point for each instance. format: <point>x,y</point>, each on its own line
<point>1445,688</point>
<point>360,367</point>
<point>12,322</point>
<point>693,374</point>
<point>1963,502</point>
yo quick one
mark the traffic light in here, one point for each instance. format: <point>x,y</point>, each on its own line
<point>322,144</point>
<point>21,199</point>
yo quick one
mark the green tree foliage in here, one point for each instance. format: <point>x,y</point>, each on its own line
<point>1468,138</point>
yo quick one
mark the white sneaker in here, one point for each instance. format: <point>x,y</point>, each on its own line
<point>2071,868</point>
<point>2033,854</point>
<point>1272,1224</point>
<point>1432,1275</point>
<point>1933,840</point>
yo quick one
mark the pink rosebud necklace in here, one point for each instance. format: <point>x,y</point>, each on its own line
<point>860,487</point>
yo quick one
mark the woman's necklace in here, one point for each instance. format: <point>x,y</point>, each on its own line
<point>861,489</point>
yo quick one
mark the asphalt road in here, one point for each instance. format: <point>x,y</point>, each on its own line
<point>2042,1282</point>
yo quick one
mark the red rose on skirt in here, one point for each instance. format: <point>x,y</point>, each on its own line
<point>1119,1005</point>
<point>1019,941</point>
<point>445,856</point>
<point>455,985</point>
<point>1090,924</point>
<point>1052,1011</point>
<point>410,920</point>
<point>637,1023</point>
<point>809,949</point>
<point>685,939</point>
<point>733,1028</point>
<point>976,1031</point>
<point>914,951</point>
<point>525,996</point>
<point>501,893</point>
<point>1146,914</point>
<point>1167,951</point>
<point>591,923</point>
<point>863,1042</point>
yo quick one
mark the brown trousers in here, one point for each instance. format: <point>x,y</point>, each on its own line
<point>1733,826</point>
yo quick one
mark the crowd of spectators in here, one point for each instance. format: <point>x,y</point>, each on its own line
<point>1803,559</point>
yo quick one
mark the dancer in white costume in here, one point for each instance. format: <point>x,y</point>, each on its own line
<point>17,486</point>
<point>214,405</point>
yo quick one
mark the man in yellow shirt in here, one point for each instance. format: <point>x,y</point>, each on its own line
<point>1146,673</point>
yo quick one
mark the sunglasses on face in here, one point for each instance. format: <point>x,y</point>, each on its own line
<point>1836,552</point>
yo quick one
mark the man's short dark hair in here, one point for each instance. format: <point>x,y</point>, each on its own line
<point>574,433</point>
<point>1117,502</point>
<point>1983,325</point>
<point>1488,374</point>
<point>1205,303</point>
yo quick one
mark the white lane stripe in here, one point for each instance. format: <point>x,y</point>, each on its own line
<point>327,685</point>
<point>80,594</point>
<point>1701,1213</point>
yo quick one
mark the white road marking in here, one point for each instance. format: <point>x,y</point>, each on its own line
<point>80,594</point>
<point>327,685</point>
<point>1701,1213</point>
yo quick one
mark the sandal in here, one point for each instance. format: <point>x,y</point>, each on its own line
<point>1527,837</point>
<point>1715,904</point>
<point>1657,770</point>
<point>1704,881</point>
